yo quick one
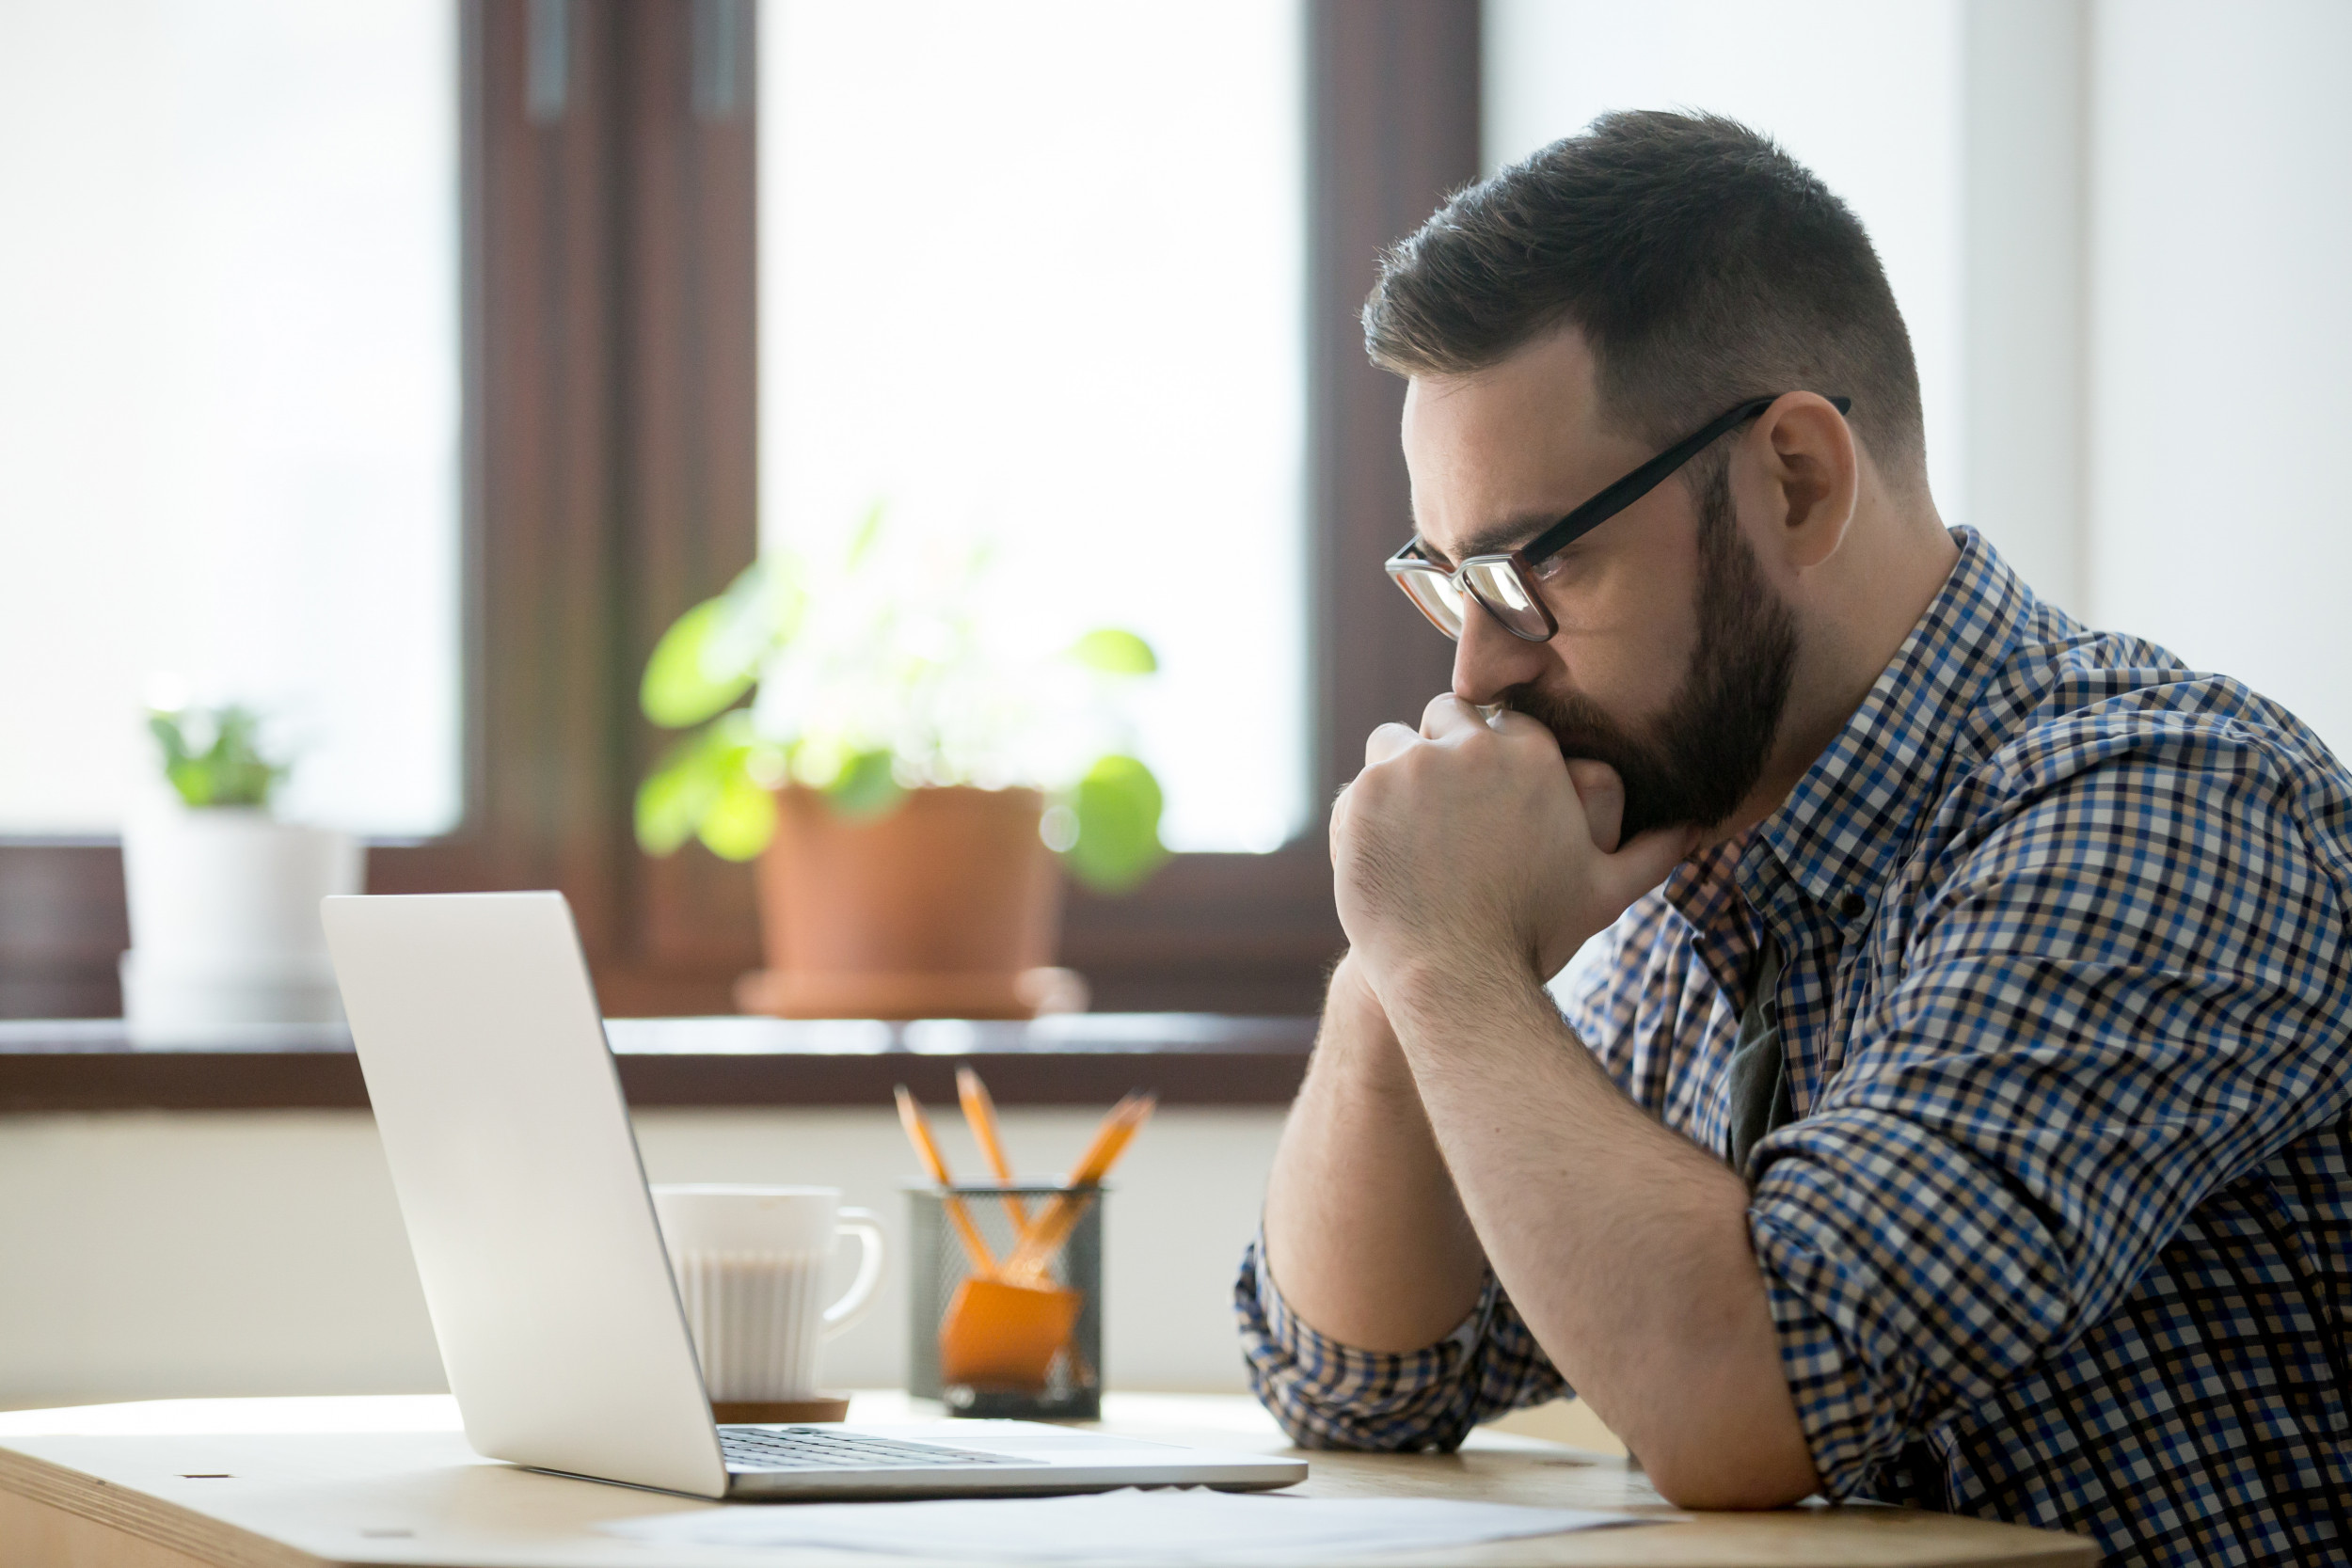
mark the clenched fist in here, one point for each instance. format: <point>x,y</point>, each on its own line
<point>1473,843</point>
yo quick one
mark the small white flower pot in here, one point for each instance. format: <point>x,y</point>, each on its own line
<point>225,931</point>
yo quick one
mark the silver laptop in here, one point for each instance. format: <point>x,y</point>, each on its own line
<point>559,1325</point>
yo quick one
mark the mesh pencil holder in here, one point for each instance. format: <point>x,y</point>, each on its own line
<point>1026,1346</point>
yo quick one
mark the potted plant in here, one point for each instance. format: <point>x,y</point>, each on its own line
<point>223,897</point>
<point>907,773</point>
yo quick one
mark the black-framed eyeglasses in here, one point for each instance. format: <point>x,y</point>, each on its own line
<point>1505,584</point>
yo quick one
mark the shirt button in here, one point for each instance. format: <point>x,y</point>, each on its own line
<point>1852,905</point>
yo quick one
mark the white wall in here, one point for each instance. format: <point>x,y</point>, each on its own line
<point>2022,321</point>
<point>151,1255</point>
<point>2221,339</point>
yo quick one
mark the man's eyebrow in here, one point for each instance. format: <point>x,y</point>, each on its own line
<point>1499,539</point>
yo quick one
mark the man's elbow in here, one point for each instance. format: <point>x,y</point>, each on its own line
<point>1729,1470</point>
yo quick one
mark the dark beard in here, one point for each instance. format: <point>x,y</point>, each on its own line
<point>1708,751</point>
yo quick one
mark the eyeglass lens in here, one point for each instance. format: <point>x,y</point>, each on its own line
<point>1500,589</point>
<point>1434,592</point>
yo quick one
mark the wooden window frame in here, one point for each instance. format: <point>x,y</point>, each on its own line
<point>611,384</point>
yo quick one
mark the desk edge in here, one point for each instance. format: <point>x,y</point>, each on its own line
<point>142,1514</point>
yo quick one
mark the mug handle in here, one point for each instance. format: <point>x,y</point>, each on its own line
<point>862,1223</point>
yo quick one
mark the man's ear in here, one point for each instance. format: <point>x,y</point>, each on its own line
<point>1810,476</point>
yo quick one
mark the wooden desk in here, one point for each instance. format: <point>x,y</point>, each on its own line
<point>299,1484</point>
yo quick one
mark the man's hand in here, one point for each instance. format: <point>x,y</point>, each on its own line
<point>1471,842</point>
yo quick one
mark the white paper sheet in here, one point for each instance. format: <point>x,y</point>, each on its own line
<point>1165,1526</point>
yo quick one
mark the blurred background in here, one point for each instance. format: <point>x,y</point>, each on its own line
<point>406,367</point>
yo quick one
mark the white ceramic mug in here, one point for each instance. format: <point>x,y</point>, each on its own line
<point>750,1263</point>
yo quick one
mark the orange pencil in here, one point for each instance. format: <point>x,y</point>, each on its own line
<point>980,1111</point>
<point>1062,1216</point>
<point>927,1149</point>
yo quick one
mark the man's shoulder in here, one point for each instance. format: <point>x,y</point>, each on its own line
<point>2070,713</point>
<point>2109,745</point>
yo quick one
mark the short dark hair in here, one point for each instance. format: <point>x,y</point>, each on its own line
<point>1702,264</point>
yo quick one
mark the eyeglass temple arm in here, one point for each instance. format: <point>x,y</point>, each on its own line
<point>1642,481</point>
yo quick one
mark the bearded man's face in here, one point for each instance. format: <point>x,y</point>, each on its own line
<point>1698,760</point>
<point>1675,653</point>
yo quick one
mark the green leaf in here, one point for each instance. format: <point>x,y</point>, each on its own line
<point>1115,653</point>
<point>674,798</point>
<point>741,820</point>
<point>221,763</point>
<point>192,779</point>
<point>1117,806</point>
<point>692,782</point>
<point>868,532</point>
<point>165,727</point>
<point>696,670</point>
<point>865,787</point>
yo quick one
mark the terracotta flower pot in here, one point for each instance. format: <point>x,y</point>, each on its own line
<point>947,906</point>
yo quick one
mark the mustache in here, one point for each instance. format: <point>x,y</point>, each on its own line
<point>1577,724</point>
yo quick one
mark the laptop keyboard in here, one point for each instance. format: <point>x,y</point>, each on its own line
<point>815,1448</point>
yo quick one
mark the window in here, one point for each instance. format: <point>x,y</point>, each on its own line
<point>228,424</point>
<point>1035,273</point>
<point>610,467</point>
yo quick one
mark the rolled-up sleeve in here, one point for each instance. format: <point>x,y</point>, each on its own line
<point>1328,1394</point>
<point>2119,997</point>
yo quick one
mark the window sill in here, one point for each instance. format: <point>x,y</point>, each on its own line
<point>84,1064</point>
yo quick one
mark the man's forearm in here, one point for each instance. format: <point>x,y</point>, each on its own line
<point>1624,1245</point>
<point>1365,1236</point>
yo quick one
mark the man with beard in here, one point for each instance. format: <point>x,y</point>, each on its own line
<point>1954,1114</point>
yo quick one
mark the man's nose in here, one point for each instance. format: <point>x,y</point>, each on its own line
<point>1489,661</point>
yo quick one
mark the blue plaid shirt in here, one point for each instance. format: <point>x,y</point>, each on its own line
<point>2062,1234</point>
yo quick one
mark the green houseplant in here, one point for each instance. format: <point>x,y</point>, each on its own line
<point>901,764</point>
<point>215,757</point>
